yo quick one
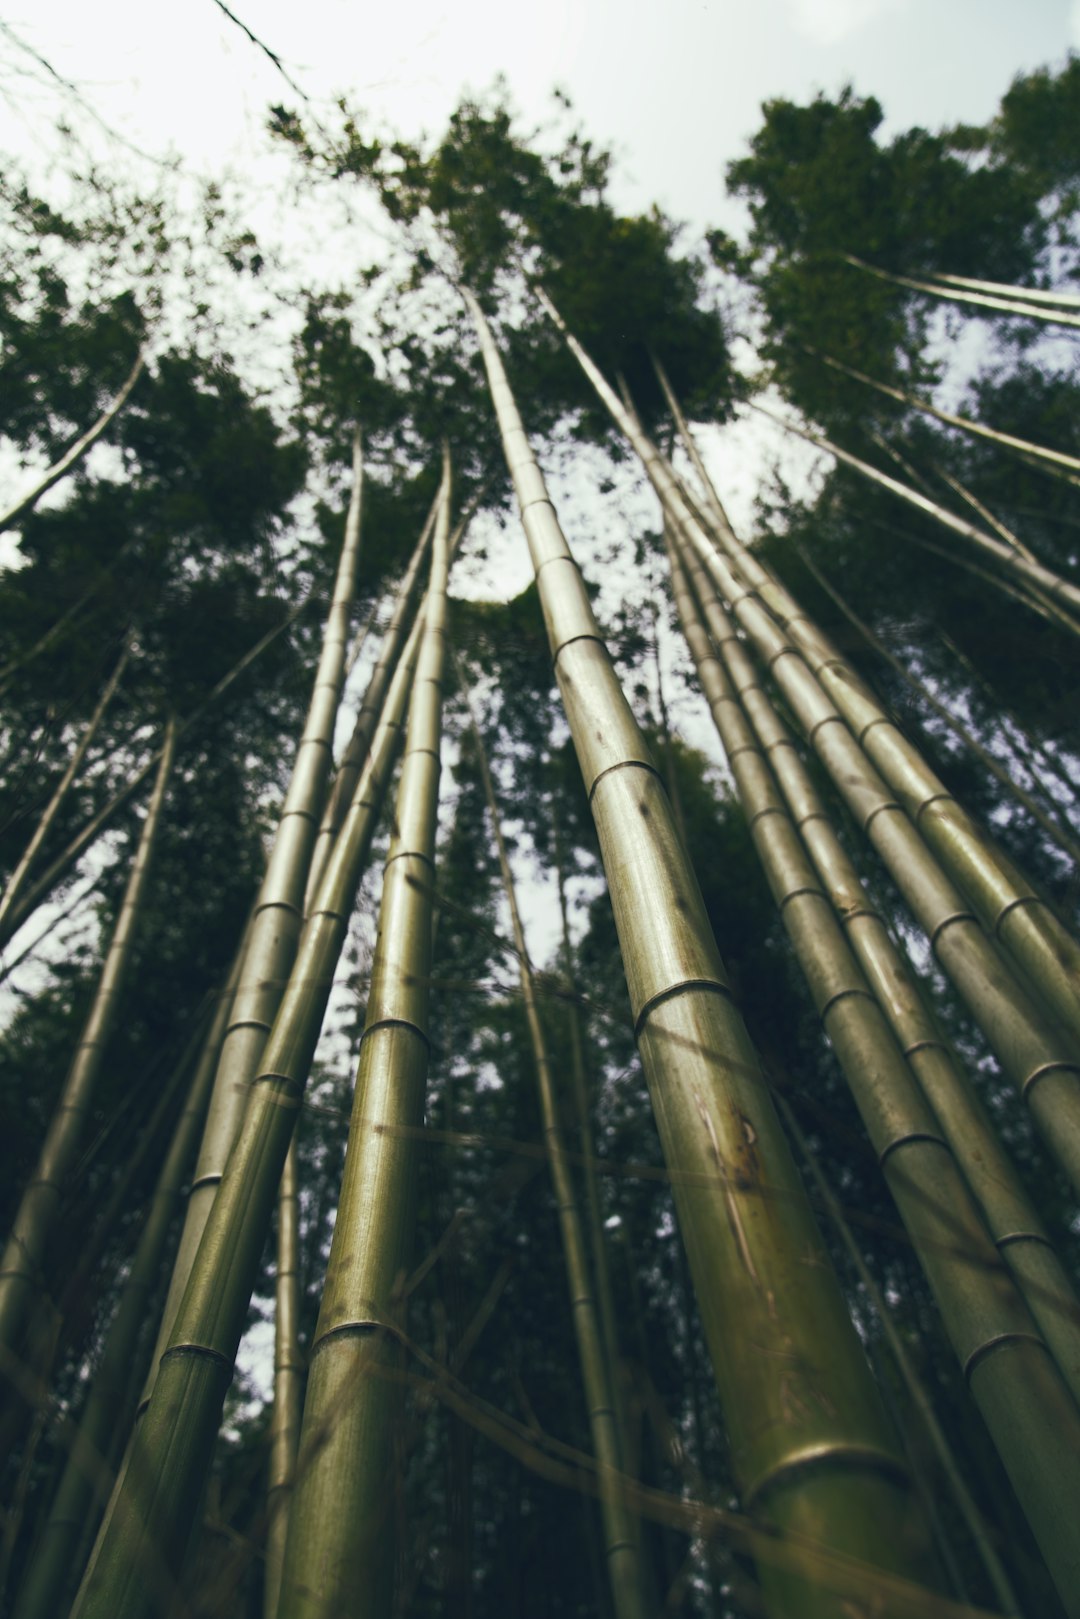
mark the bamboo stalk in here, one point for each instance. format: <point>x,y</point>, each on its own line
<point>75,454</point>
<point>1000,529</point>
<point>1004,1361</point>
<point>142,1542</point>
<point>289,1368</point>
<point>1025,306</point>
<point>340,1549</point>
<point>920,1399</point>
<point>793,1381</point>
<point>619,1528</point>
<point>1057,458</point>
<point>1050,825</point>
<point>18,878</point>
<point>1042,580</point>
<point>1033,295</point>
<point>1012,1221</point>
<point>22,1267</point>
<point>88,1476</point>
<point>274,930</point>
<point>824,692</point>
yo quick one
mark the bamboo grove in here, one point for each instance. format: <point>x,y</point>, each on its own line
<point>567,1105</point>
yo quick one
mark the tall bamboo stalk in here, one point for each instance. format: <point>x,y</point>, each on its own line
<point>916,1388</point>
<point>22,1267</point>
<point>597,1369</point>
<point>824,692</point>
<point>997,1188</point>
<point>1050,824</point>
<point>75,454</point>
<point>339,1554</point>
<point>17,880</point>
<point>794,1384</point>
<point>274,930</point>
<point>1057,458</point>
<point>957,290</point>
<point>143,1540</point>
<point>1005,1362</point>
<point>88,1478</point>
<point>289,1367</point>
<point>1042,581</point>
<point>1000,529</point>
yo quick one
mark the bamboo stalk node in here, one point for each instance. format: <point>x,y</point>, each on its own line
<point>999,1342</point>
<point>715,986</point>
<point>855,1456</point>
<point>1047,1068</point>
<point>908,1138</point>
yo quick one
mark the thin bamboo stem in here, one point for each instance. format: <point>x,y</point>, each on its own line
<point>340,1549</point>
<point>22,1269</point>
<point>19,876</point>
<point>143,1539</point>
<point>1028,308</point>
<point>619,1528</point>
<point>75,454</point>
<point>793,1381</point>
<point>289,1368</point>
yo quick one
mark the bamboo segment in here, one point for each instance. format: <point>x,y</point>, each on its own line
<point>1024,302</point>
<point>999,1580</point>
<point>1029,1044</point>
<point>597,1368</point>
<point>88,1476</point>
<point>1034,575</point>
<point>810,1443</point>
<point>339,1554</point>
<point>1057,458</point>
<point>1050,825</point>
<point>1003,1358</point>
<point>288,1381</point>
<point>18,878</point>
<point>997,1188</point>
<point>75,454</point>
<point>143,1539</point>
<point>274,932</point>
<point>22,1267</point>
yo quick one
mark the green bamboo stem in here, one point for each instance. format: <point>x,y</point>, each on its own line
<point>597,1370</point>
<point>18,878</point>
<point>75,454</point>
<point>1034,295</point>
<point>45,640</point>
<point>1049,823</point>
<point>1042,581</point>
<point>824,692</point>
<point>810,1444</point>
<point>88,1477</point>
<point>920,1399</point>
<point>22,1267</point>
<point>339,1555</point>
<point>1004,1361</point>
<point>274,930</point>
<point>289,1371</point>
<point>1023,304</point>
<point>1057,458</point>
<point>1000,529</point>
<point>143,1540</point>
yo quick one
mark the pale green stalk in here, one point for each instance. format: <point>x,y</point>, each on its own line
<point>1005,1363</point>
<point>22,1267</point>
<point>1030,1045</point>
<point>597,1370</point>
<point>1021,304</point>
<point>88,1476</point>
<point>810,1444</point>
<point>1039,452</point>
<point>274,931</point>
<point>289,1367</point>
<point>17,880</point>
<point>340,1550</point>
<point>75,454</point>
<point>143,1540</point>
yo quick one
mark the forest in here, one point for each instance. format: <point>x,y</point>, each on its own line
<point>559,1102</point>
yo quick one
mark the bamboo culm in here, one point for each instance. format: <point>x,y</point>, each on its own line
<point>19,876</point>
<point>958,289</point>
<point>143,1539</point>
<point>794,1384</point>
<point>22,1267</point>
<point>72,456</point>
<point>87,1479</point>
<point>339,1555</point>
<point>597,1368</point>
<point>274,931</point>
<point>828,698</point>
